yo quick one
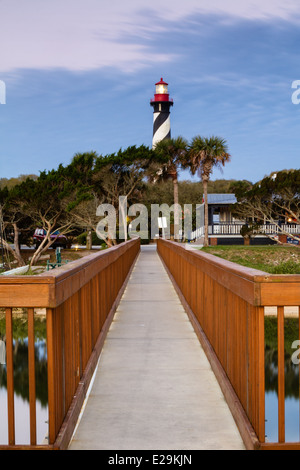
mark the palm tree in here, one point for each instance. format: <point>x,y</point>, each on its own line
<point>171,154</point>
<point>205,154</point>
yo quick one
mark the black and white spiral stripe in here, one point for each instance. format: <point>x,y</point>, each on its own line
<point>161,127</point>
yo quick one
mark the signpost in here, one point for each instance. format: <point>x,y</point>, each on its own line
<point>162,223</point>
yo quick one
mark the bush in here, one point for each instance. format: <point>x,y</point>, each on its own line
<point>286,267</point>
<point>81,239</point>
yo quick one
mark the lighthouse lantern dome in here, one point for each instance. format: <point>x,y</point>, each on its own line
<point>161,88</point>
<point>161,93</point>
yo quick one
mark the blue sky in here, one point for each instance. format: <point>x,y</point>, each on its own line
<point>80,74</point>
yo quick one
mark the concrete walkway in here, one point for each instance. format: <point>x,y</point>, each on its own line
<point>154,388</point>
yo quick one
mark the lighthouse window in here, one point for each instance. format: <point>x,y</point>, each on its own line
<point>161,89</point>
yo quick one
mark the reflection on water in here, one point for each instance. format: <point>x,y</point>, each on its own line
<point>292,409</point>
<point>21,378</point>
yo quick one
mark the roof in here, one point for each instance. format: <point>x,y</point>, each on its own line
<point>221,199</point>
<point>161,82</point>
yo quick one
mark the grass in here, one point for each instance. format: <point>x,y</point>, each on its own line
<point>67,254</point>
<point>32,272</point>
<point>271,259</point>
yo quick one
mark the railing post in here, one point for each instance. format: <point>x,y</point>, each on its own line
<point>10,378</point>
<point>80,302</point>
<point>261,374</point>
<point>281,387</point>
<point>51,376</point>
<point>31,373</point>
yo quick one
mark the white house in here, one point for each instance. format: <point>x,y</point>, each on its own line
<point>224,229</point>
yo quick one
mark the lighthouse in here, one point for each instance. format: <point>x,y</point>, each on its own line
<point>161,113</point>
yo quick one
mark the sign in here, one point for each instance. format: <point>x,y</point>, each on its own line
<point>292,241</point>
<point>162,222</point>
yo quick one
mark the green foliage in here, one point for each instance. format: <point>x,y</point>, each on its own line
<point>206,153</point>
<point>248,231</point>
<point>11,182</point>
<point>286,267</point>
<point>171,155</point>
<point>69,195</point>
<point>275,197</point>
<point>189,192</point>
<point>81,239</point>
<point>239,188</point>
<point>125,160</point>
<point>271,259</point>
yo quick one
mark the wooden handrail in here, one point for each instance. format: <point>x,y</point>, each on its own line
<point>226,304</point>
<point>80,299</point>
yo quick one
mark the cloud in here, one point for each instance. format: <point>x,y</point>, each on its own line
<point>80,35</point>
<point>265,10</point>
<point>75,35</point>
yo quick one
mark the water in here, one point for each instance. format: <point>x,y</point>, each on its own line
<point>21,379</point>
<point>20,342</point>
<point>292,402</point>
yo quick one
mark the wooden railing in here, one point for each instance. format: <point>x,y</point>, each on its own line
<point>226,304</point>
<point>80,300</point>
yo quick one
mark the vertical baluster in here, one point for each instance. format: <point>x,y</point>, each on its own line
<point>261,373</point>
<point>10,377</point>
<point>77,345</point>
<point>281,388</point>
<point>31,372</point>
<point>299,365</point>
<point>51,376</point>
<point>250,362</point>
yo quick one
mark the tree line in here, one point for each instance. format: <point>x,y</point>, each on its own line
<point>275,200</point>
<point>66,199</point>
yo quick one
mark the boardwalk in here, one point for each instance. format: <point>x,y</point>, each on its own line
<point>154,388</point>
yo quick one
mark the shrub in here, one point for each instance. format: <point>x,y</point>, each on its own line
<point>286,267</point>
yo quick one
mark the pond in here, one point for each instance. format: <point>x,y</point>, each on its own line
<point>292,355</point>
<point>21,379</point>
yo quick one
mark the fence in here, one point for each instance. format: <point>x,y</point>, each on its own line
<point>235,229</point>
<point>80,300</point>
<point>226,304</point>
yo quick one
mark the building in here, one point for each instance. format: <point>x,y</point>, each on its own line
<point>224,229</point>
<point>161,104</point>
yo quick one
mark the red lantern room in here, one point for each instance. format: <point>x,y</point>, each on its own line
<point>161,92</point>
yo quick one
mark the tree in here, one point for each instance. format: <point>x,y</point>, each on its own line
<point>123,175</point>
<point>80,200</point>
<point>275,200</point>
<point>248,231</point>
<point>171,155</point>
<point>16,227</point>
<point>11,182</point>
<point>205,154</point>
<point>110,178</point>
<point>67,198</point>
<point>41,201</point>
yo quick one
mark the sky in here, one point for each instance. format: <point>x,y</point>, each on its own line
<point>78,75</point>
